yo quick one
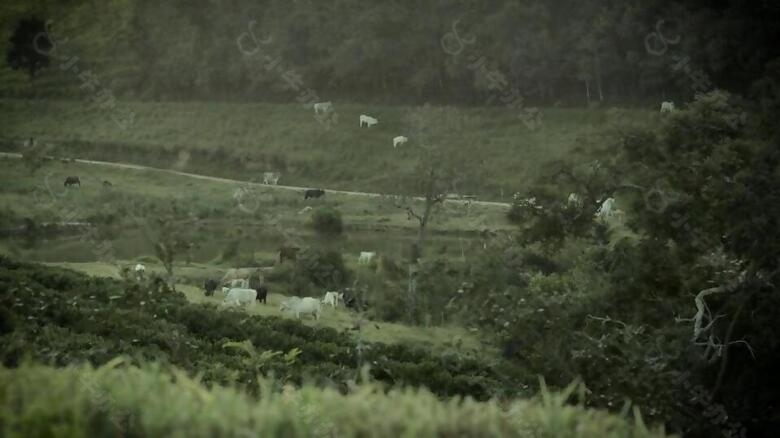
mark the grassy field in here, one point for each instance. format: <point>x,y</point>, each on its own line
<point>495,151</point>
<point>137,198</point>
<point>115,400</point>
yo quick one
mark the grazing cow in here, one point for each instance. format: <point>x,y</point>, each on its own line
<point>313,193</point>
<point>262,293</point>
<point>399,141</point>
<point>210,285</point>
<point>331,298</point>
<point>72,180</point>
<point>305,210</point>
<point>607,209</point>
<point>366,257</point>
<point>667,107</point>
<point>307,305</point>
<point>107,183</point>
<point>368,121</point>
<point>271,178</point>
<point>288,252</point>
<point>140,270</point>
<point>239,296</point>
<point>323,106</point>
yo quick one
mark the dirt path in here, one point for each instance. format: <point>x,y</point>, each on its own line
<point>234,181</point>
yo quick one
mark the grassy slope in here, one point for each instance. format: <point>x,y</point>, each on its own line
<point>495,149</point>
<point>109,401</point>
<point>433,338</point>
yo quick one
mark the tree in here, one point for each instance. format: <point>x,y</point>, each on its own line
<point>23,54</point>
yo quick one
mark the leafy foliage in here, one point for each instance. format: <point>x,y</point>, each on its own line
<point>60,317</point>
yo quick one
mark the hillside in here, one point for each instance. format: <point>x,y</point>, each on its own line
<point>493,153</point>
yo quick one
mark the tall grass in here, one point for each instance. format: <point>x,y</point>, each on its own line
<point>149,401</point>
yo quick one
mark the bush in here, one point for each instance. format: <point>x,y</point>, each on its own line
<point>327,221</point>
<point>321,269</point>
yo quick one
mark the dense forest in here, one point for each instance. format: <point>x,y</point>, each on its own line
<point>448,51</point>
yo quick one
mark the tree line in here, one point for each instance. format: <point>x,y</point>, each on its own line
<point>448,51</point>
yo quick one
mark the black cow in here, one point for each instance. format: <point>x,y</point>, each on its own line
<point>210,285</point>
<point>313,193</point>
<point>288,252</point>
<point>352,300</point>
<point>107,183</point>
<point>72,180</point>
<point>262,293</point>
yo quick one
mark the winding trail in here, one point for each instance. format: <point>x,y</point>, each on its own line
<point>253,184</point>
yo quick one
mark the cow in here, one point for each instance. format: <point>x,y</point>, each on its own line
<point>399,141</point>
<point>366,257</point>
<point>368,121</point>
<point>239,296</point>
<point>288,252</point>
<point>331,298</point>
<point>262,293</point>
<point>139,270</point>
<point>323,106</point>
<point>607,209</point>
<point>305,210</point>
<point>667,107</point>
<point>107,184</point>
<point>574,200</point>
<point>313,193</point>
<point>72,180</point>
<point>210,285</point>
<point>288,303</point>
<point>307,305</point>
<point>351,300</point>
<point>271,178</point>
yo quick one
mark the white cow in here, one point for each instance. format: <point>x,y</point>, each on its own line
<point>323,106</point>
<point>331,298</point>
<point>667,107</point>
<point>304,306</point>
<point>239,296</point>
<point>575,199</point>
<point>607,209</point>
<point>368,120</point>
<point>140,270</point>
<point>305,209</point>
<point>399,141</point>
<point>271,178</point>
<point>366,257</point>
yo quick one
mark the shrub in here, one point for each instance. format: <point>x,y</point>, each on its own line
<point>327,221</point>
